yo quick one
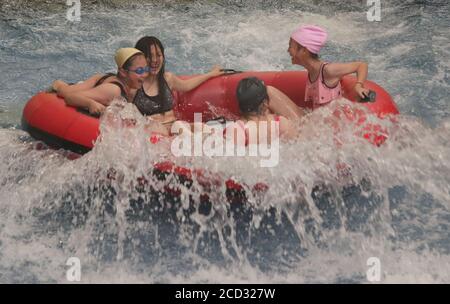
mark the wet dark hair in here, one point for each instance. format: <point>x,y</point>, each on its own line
<point>144,45</point>
<point>126,66</point>
<point>251,93</point>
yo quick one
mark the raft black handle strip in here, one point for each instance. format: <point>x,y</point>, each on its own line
<point>230,71</point>
<point>86,112</point>
<point>370,97</point>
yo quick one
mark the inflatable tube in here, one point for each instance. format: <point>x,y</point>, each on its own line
<point>46,116</point>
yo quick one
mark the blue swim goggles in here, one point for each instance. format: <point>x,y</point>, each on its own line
<point>141,70</point>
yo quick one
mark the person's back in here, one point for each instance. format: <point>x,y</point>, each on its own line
<point>258,124</point>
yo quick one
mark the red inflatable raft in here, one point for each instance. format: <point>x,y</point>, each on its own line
<point>46,116</point>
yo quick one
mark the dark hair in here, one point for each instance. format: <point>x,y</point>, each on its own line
<point>144,45</point>
<point>314,56</point>
<point>251,93</point>
<point>126,66</point>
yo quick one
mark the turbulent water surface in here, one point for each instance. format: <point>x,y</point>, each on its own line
<point>327,210</point>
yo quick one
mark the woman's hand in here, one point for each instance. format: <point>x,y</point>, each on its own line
<point>216,71</point>
<point>96,108</point>
<point>58,84</point>
<point>360,90</point>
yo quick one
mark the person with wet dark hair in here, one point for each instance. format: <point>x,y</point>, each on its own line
<point>155,99</point>
<point>251,94</point>
<point>253,100</point>
<point>98,91</point>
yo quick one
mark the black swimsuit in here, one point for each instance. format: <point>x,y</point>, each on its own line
<point>123,92</point>
<point>149,105</point>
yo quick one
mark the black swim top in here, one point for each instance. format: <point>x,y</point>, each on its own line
<point>149,105</point>
<point>123,92</point>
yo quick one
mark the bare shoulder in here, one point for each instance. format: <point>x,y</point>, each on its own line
<point>170,79</point>
<point>109,87</point>
<point>271,89</point>
<point>329,67</point>
<point>341,67</point>
<point>95,77</point>
<point>168,76</point>
<point>332,72</point>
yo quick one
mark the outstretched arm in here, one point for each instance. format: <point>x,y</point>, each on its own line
<point>62,87</point>
<point>333,72</point>
<point>94,99</point>
<point>185,85</point>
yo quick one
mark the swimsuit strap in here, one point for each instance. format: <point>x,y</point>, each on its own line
<point>323,77</point>
<point>123,91</point>
<point>102,79</point>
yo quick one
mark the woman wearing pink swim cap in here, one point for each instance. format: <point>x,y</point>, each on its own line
<point>323,83</point>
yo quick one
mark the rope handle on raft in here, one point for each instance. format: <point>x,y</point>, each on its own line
<point>370,97</point>
<point>230,71</point>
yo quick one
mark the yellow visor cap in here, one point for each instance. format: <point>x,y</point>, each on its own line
<point>123,54</point>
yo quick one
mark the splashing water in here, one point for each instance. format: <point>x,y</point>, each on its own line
<point>326,209</point>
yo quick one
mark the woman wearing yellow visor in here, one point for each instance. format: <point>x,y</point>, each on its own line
<point>98,91</point>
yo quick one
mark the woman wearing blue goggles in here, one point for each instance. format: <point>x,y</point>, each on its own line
<point>97,92</point>
<point>141,70</point>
